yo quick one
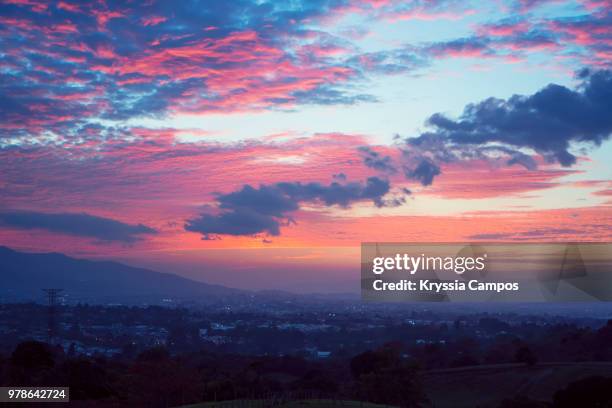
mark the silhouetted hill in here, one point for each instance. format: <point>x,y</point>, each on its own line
<point>25,274</point>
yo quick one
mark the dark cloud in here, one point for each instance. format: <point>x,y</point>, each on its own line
<point>241,221</point>
<point>251,210</point>
<point>522,159</point>
<point>268,200</point>
<point>548,122</point>
<point>84,225</point>
<point>424,172</point>
<point>375,160</point>
<point>336,193</point>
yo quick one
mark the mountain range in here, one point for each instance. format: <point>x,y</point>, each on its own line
<point>24,275</point>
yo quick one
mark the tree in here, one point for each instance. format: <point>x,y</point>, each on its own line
<point>382,376</point>
<point>32,355</point>
<point>371,361</point>
<point>86,379</point>
<point>397,385</point>
<point>318,381</point>
<point>31,363</point>
<point>526,356</point>
<point>158,380</point>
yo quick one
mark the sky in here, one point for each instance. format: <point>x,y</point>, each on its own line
<point>256,144</point>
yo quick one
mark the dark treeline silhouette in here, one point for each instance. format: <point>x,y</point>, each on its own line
<point>390,374</point>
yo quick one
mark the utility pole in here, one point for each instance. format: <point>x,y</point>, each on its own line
<point>52,297</point>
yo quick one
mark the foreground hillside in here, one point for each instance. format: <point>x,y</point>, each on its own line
<point>487,386</point>
<point>467,387</point>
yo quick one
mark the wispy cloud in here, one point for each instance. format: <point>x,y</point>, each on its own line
<point>81,224</point>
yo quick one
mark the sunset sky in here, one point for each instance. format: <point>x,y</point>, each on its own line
<point>255,144</point>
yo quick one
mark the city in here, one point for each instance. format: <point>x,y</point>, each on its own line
<point>293,346</point>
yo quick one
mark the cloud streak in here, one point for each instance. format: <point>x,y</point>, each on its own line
<point>81,224</point>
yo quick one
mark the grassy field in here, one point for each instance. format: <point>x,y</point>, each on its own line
<point>486,386</point>
<point>468,387</point>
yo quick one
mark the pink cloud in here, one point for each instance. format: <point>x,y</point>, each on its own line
<point>153,20</point>
<point>36,6</point>
<point>478,179</point>
<point>504,29</point>
<point>104,16</point>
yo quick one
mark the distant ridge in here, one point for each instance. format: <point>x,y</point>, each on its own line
<point>24,274</point>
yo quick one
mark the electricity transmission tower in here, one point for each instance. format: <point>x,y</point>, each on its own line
<point>52,297</point>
